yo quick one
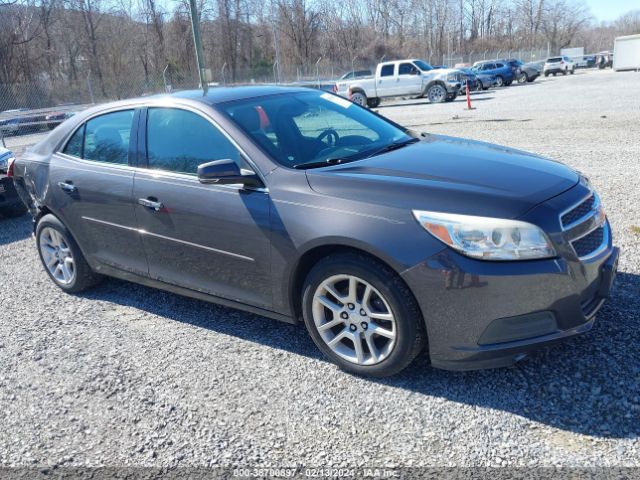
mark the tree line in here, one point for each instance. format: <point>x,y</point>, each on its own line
<point>117,48</point>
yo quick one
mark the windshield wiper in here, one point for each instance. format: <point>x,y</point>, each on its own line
<point>393,146</point>
<point>321,163</point>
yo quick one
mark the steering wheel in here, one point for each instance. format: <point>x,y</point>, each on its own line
<point>331,135</point>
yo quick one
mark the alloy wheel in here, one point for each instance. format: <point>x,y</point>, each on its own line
<point>354,319</point>
<point>437,94</point>
<point>57,256</point>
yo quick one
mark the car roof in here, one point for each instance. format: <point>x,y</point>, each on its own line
<point>215,95</point>
<point>228,94</point>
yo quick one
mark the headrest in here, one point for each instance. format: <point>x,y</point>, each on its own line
<point>248,118</point>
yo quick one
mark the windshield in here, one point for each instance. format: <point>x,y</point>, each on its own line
<point>422,65</point>
<point>312,127</point>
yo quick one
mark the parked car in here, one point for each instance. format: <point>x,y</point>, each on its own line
<point>501,70</point>
<point>412,77</point>
<point>590,61</point>
<point>604,60</point>
<point>523,72</point>
<point>10,203</point>
<point>469,80</point>
<point>379,239</point>
<point>54,119</point>
<point>555,65</point>
<point>482,80</point>
<point>21,120</point>
<point>356,74</point>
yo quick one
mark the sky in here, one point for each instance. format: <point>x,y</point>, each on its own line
<point>607,10</point>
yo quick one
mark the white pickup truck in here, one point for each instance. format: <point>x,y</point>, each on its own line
<point>413,78</point>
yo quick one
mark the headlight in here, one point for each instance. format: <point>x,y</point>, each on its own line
<point>487,238</point>
<point>4,162</point>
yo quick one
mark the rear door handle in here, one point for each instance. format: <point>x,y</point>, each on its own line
<point>150,203</point>
<point>68,186</point>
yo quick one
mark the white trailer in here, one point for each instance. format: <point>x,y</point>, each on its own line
<point>626,53</point>
<point>576,55</point>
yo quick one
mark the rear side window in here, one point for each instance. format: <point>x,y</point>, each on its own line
<point>554,60</point>
<point>180,140</point>
<point>106,138</point>
<point>387,71</point>
<point>74,145</point>
<point>499,65</point>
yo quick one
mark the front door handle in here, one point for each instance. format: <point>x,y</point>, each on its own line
<point>150,203</point>
<point>68,186</point>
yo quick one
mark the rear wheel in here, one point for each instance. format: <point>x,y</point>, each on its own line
<point>479,86</point>
<point>361,315</point>
<point>62,258</point>
<point>499,81</point>
<point>436,93</point>
<point>359,98</point>
<point>573,70</point>
<point>522,77</point>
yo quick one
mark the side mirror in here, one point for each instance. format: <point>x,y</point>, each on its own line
<point>227,172</point>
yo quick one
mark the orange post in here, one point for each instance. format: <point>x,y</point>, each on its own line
<point>468,97</point>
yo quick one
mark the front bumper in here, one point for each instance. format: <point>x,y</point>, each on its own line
<point>482,314</point>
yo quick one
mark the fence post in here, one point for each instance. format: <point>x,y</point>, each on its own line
<point>224,66</point>
<point>317,71</point>
<point>164,78</point>
<point>93,101</point>
<point>275,74</point>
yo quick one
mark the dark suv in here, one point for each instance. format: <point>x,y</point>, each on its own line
<point>297,204</point>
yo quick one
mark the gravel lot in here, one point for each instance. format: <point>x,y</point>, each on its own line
<point>130,376</point>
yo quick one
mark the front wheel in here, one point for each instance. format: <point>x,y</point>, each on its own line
<point>522,77</point>
<point>61,257</point>
<point>479,86</point>
<point>361,315</point>
<point>436,93</point>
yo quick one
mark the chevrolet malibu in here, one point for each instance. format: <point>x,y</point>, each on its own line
<point>299,205</point>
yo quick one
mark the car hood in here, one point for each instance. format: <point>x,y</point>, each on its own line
<point>448,174</point>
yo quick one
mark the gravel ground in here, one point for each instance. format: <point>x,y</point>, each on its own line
<point>130,376</point>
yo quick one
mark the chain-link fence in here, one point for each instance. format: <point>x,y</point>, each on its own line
<point>29,110</point>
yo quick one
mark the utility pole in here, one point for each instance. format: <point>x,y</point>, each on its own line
<point>197,41</point>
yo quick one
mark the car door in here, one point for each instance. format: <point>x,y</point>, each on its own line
<point>91,182</point>
<point>409,81</point>
<point>386,86</point>
<point>205,237</point>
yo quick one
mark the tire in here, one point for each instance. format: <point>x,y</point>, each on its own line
<point>451,97</point>
<point>554,74</point>
<point>499,81</point>
<point>564,72</point>
<point>436,93</point>
<point>573,70</point>
<point>388,295</point>
<point>373,102</point>
<point>359,98</point>
<point>508,83</point>
<point>523,77</point>
<point>52,235</point>
<point>546,74</point>
<point>12,211</point>
<point>479,87</point>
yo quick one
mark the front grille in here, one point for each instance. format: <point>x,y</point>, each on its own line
<point>578,212</point>
<point>589,243</point>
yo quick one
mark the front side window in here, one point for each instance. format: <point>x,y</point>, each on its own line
<point>386,71</point>
<point>407,69</point>
<point>311,127</point>
<point>180,140</point>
